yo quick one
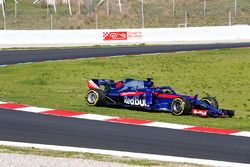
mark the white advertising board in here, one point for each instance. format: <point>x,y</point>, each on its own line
<point>191,35</point>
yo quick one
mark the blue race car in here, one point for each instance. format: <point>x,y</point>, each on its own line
<point>143,95</point>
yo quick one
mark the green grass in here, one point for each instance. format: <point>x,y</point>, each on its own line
<point>158,13</point>
<point>62,85</point>
<point>91,156</point>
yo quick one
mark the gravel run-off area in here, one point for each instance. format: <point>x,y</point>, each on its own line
<point>25,160</point>
<point>30,160</point>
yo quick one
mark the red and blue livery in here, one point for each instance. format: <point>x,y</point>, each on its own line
<point>143,94</point>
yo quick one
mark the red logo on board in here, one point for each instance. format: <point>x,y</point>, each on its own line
<point>108,36</point>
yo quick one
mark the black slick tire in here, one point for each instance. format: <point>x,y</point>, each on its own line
<point>211,101</point>
<point>95,97</point>
<point>181,106</point>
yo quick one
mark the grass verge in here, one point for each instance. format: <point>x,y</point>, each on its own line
<point>62,84</point>
<point>157,14</point>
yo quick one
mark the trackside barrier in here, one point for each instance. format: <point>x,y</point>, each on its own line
<point>59,38</point>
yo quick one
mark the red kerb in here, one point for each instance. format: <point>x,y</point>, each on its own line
<point>212,130</point>
<point>12,106</point>
<point>62,113</point>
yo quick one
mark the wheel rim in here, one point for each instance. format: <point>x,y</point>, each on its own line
<point>91,97</point>
<point>178,106</point>
<point>207,102</point>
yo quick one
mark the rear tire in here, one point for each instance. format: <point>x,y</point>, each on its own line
<point>211,101</point>
<point>95,97</point>
<point>181,106</point>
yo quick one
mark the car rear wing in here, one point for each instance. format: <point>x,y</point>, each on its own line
<point>96,83</point>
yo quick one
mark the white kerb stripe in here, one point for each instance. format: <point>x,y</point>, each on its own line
<point>243,133</point>
<point>126,154</point>
<point>2,102</point>
<point>167,125</point>
<point>34,109</point>
<point>94,117</point>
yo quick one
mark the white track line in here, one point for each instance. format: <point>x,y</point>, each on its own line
<point>34,109</point>
<point>242,133</point>
<point>94,117</point>
<point>167,125</point>
<point>126,154</point>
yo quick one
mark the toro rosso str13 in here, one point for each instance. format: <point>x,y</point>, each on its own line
<point>143,95</point>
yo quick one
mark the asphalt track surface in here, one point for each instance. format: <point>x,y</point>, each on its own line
<point>24,56</point>
<point>35,128</point>
<point>43,129</point>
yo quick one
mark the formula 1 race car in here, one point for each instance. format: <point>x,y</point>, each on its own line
<point>143,95</point>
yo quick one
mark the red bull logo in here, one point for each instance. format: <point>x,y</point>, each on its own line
<point>135,101</point>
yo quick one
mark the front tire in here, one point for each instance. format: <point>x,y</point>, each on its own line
<point>211,101</point>
<point>95,97</point>
<point>181,106</point>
